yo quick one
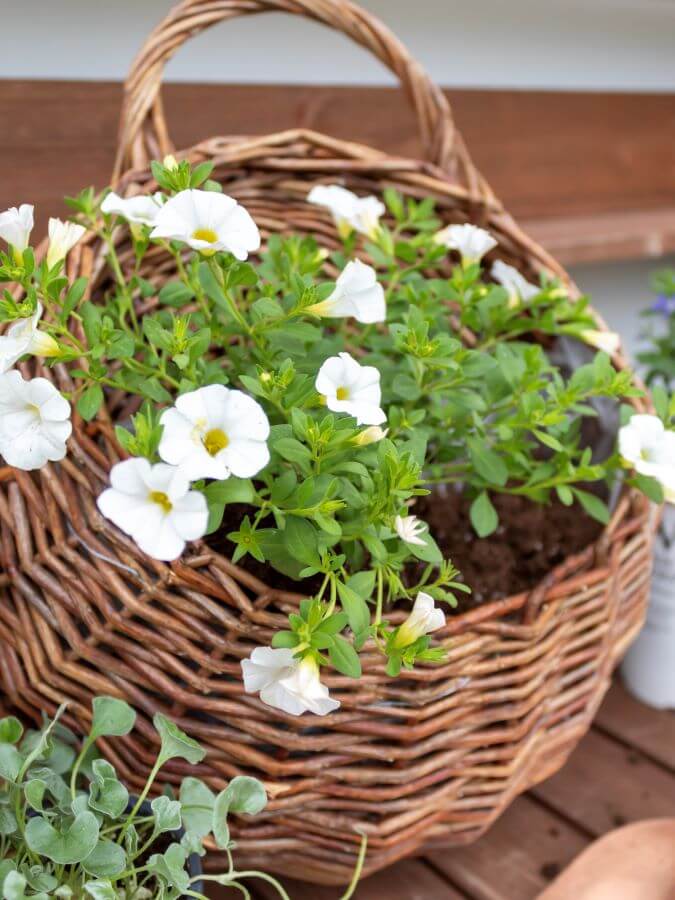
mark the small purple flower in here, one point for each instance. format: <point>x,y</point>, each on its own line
<point>665,305</point>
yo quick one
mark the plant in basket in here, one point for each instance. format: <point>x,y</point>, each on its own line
<point>298,407</point>
<point>70,829</point>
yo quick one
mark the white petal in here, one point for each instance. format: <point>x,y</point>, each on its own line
<point>245,458</point>
<point>131,476</point>
<point>277,695</point>
<point>265,665</point>
<point>157,537</point>
<point>190,516</point>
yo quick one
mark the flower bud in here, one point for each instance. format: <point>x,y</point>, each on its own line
<point>370,435</point>
<point>423,619</point>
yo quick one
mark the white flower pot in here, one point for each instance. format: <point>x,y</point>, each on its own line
<point>649,667</point>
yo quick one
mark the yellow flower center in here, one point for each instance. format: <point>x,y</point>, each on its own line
<point>215,441</point>
<point>33,408</point>
<point>342,393</point>
<point>161,499</point>
<point>205,234</point>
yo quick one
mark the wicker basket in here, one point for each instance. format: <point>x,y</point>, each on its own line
<point>436,754</point>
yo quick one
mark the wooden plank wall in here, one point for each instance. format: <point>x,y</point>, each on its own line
<point>592,173</point>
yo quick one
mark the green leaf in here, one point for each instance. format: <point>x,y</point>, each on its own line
<point>14,888</point>
<point>90,401</point>
<point>594,506</point>
<point>166,813</point>
<point>170,867</point>
<point>106,860</point>
<point>363,583</point>
<point>233,490</point>
<point>67,847</point>
<point>292,450</point>
<point>200,173</point>
<point>345,658</point>
<point>300,540</point>
<point>73,297</point>
<point>10,762</point>
<point>11,730</point>
<point>8,823</point>
<point>243,795</point>
<point>356,608</point>
<point>101,890</point>
<point>483,515</point>
<point>6,866</point>
<point>111,718</point>
<point>175,743</point>
<point>650,487</point>
<point>175,293</point>
<point>286,639</point>
<point>107,794</point>
<point>197,801</point>
<point>488,463</point>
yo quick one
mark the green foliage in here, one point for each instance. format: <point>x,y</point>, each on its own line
<point>69,830</point>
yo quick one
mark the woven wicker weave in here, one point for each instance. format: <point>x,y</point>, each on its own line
<point>437,753</point>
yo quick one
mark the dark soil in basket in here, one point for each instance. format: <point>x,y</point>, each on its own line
<point>529,542</point>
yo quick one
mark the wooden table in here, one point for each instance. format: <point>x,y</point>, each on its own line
<point>623,771</point>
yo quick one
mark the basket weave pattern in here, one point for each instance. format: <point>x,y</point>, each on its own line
<point>437,753</point>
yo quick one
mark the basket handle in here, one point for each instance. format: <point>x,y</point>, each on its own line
<point>143,133</point>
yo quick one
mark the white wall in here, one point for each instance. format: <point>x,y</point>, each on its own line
<point>583,44</point>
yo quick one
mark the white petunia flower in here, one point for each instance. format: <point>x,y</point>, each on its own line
<point>423,619</point>
<point>471,242</point>
<point>351,388</point>
<point>286,683</point>
<point>649,448</point>
<point>409,529</point>
<point>208,221</point>
<point>517,287</point>
<point>608,341</point>
<point>62,238</point>
<point>350,212</point>
<point>16,225</point>
<point>139,210</point>
<point>34,422</point>
<point>22,337</point>
<point>370,435</point>
<point>215,432</point>
<point>357,293</point>
<point>155,506</point>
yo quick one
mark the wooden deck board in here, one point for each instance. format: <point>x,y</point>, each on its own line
<point>628,721</point>
<point>411,880</point>
<point>605,785</point>
<point>524,848</point>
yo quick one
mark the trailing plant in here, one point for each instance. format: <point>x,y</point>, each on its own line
<point>316,394</point>
<point>69,828</point>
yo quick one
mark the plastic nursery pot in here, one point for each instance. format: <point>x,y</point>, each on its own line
<point>194,860</point>
<point>648,670</point>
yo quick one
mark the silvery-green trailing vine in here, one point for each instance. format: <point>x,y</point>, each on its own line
<point>70,829</point>
<point>319,395</point>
